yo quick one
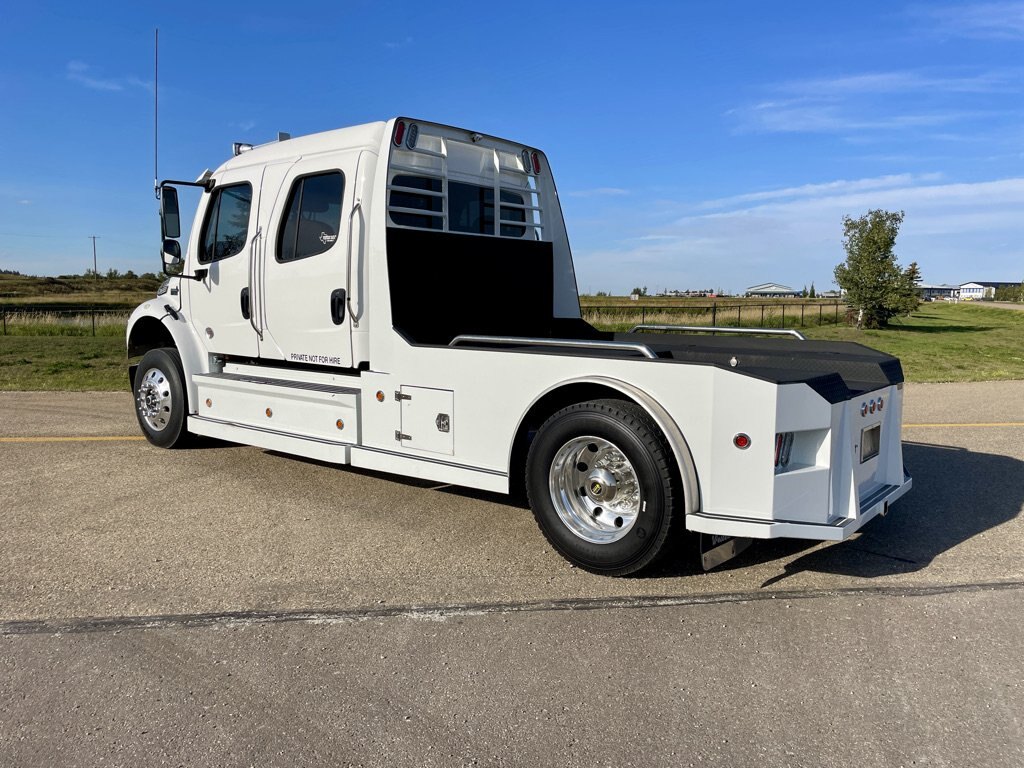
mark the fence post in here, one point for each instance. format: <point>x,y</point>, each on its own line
<point>4,313</point>
<point>821,309</point>
<point>762,315</point>
<point>802,306</point>
<point>714,313</point>
<point>837,313</point>
<point>783,315</point>
<point>643,315</point>
<point>93,313</point>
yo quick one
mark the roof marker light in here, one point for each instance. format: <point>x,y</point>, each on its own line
<point>399,133</point>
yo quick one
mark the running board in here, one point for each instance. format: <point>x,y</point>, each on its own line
<point>271,440</point>
<point>266,404</point>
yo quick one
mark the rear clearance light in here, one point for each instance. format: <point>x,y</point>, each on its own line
<point>399,133</point>
<point>871,406</point>
<point>741,441</point>
<point>783,450</point>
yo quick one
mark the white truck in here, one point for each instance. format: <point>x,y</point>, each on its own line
<point>400,296</point>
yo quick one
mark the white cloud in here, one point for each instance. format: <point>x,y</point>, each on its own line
<point>393,44</point>
<point>955,231</point>
<point>979,21</point>
<point>908,101</point>
<point>85,74</point>
<point>828,188</point>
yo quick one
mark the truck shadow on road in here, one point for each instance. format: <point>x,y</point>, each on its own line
<point>957,495</point>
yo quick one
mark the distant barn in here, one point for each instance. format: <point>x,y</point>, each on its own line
<point>772,291</point>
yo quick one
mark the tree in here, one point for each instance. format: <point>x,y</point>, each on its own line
<point>811,294</point>
<point>1010,293</point>
<point>910,299</point>
<point>872,279</point>
<point>639,291</point>
<point>803,293</point>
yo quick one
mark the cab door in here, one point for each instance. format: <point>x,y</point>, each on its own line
<point>219,302</point>
<point>304,299</point>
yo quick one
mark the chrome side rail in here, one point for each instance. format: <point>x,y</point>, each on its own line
<point>615,346</point>
<point>718,329</point>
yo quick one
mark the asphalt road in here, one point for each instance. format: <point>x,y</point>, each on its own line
<point>230,606</point>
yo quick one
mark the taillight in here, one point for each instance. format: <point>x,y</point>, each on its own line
<point>399,133</point>
<point>526,160</point>
<point>536,162</point>
<point>741,441</point>
<point>783,449</point>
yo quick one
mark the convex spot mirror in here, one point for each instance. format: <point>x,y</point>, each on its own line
<point>171,253</point>
<point>170,220</point>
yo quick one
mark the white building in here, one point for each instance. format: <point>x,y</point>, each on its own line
<point>983,289</point>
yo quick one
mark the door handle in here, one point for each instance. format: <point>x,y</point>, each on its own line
<point>338,306</point>
<point>244,298</point>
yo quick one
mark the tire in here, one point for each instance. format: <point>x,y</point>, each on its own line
<point>160,401</point>
<point>603,484</point>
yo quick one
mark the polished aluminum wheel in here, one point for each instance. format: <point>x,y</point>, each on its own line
<point>154,399</point>
<point>594,489</point>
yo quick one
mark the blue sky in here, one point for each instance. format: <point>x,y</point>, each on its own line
<point>695,145</point>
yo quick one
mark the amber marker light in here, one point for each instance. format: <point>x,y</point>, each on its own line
<point>380,396</point>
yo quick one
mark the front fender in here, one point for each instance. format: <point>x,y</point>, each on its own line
<point>156,324</point>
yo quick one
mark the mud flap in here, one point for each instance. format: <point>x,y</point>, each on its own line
<point>716,549</point>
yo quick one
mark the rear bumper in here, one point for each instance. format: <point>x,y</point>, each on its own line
<point>871,506</point>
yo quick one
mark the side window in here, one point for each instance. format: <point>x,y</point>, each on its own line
<point>227,223</point>
<point>312,216</point>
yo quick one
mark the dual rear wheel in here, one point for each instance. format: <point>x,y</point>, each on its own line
<point>602,483</point>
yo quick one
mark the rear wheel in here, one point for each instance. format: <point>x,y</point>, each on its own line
<point>602,483</point>
<point>160,401</point>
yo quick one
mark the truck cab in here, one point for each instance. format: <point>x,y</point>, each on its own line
<point>400,296</point>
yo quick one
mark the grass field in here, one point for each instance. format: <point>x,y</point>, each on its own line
<point>65,363</point>
<point>940,342</point>
<point>947,342</point>
<point>58,292</point>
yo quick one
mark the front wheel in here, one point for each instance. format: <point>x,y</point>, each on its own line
<point>160,401</point>
<point>603,484</point>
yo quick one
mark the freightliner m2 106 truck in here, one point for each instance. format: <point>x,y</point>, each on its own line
<point>400,296</point>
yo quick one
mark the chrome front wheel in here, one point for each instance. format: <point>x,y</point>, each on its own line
<point>161,404</point>
<point>154,400</point>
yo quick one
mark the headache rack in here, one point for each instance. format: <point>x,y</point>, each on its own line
<point>428,166</point>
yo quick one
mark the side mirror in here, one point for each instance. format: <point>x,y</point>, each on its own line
<point>170,220</point>
<point>171,253</point>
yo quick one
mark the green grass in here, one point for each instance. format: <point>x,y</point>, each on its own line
<point>940,342</point>
<point>947,342</point>
<point>63,363</point>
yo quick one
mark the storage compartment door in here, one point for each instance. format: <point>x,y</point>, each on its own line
<point>428,419</point>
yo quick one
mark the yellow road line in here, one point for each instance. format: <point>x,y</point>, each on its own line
<point>970,424</point>
<point>83,439</point>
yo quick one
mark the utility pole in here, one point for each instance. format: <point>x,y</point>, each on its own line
<point>95,273</point>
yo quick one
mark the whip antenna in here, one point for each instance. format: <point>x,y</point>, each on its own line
<point>156,111</point>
